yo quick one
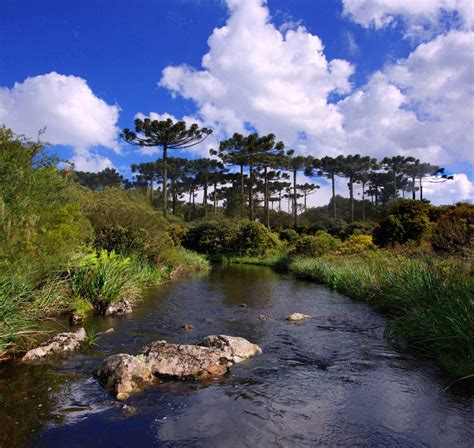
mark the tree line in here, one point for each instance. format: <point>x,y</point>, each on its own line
<point>256,171</point>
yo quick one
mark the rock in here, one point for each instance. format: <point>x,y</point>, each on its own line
<point>75,319</point>
<point>185,361</point>
<point>118,308</point>
<point>243,305</point>
<point>233,348</point>
<point>187,327</point>
<point>263,317</point>
<point>61,343</point>
<point>297,317</point>
<point>123,374</point>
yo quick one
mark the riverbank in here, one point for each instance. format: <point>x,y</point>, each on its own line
<point>88,283</point>
<point>429,299</point>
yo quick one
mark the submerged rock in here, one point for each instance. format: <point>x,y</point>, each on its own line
<point>184,361</point>
<point>118,308</point>
<point>187,327</point>
<point>263,317</point>
<point>123,374</point>
<point>61,343</point>
<point>234,349</point>
<point>295,317</point>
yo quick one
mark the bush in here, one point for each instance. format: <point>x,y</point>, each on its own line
<point>314,246</point>
<point>454,229</point>
<point>289,235</point>
<point>177,233</point>
<point>357,244</point>
<point>254,239</point>
<point>408,221</point>
<point>211,237</point>
<point>358,228</point>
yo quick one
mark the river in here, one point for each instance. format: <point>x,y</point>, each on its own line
<point>328,381</point>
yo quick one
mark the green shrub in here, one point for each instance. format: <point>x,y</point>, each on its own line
<point>177,233</point>
<point>289,235</point>
<point>408,221</point>
<point>358,228</point>
<point>454,229</point>
<point>314,246</point>
<point>211,237</point>
<point>254,238</point>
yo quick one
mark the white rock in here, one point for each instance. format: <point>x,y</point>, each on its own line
<point>298,316</point>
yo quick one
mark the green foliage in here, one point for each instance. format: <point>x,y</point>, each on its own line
<point>289,235</point>
<point>177,233</point>
<point>358,228</point>
<point>40,222</point>
<point>454,229</point>
<point>407,221</point>
<point>104,277</point>
<point>211,237</point>
<point>254,238</point>
<point>314,246</point>
<point>81,307</point>
<point>91,337</point>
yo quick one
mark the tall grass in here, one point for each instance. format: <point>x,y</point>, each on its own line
<point>105,277</point>
<point>431,300</point>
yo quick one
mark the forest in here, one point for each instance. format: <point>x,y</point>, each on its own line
<point>75,242</point>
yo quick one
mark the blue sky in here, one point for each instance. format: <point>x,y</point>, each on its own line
<point>114,54</point>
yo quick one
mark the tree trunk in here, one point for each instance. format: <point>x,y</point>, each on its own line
<point>189,204</point>
<point>351,195</point>
<point>295,211</point>
<point>267,201</point>
<point>305,194</point>
<point>215,198</point>
<point>204,199</point>
<point>165,180</point>
<point>394,183</point>
<point>413,195</point>
<point>251,191</point>
<point>421,189</point>
<point>363,201</point>
<point>333,181</point>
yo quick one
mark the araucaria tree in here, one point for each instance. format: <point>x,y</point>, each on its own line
<point>168,135</point>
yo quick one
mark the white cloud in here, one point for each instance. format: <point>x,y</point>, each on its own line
<point>85,160</point>
<point>457,190</point>
<point>422,105</point>
<point>69,110</point>
<point>421,17</point>
<point>253,73</point>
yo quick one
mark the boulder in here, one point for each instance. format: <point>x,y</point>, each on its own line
<point>184,361</point>
<point>295,317</point>
<point>234,349</point>
<point>118,308</point>
<point>76,319</point>
<point>61,343</point>
<point>123,374</point>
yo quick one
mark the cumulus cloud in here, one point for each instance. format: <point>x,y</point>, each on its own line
<point>422,105</point>
<point>421,17</point>
<point>256,74</point>
<point>72,114</point>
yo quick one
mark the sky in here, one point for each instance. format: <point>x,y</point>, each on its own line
<point>328,77</point>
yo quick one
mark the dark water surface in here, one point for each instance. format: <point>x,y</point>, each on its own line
<point>328,381</point>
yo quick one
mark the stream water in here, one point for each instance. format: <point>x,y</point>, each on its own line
<point>328,381</point>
